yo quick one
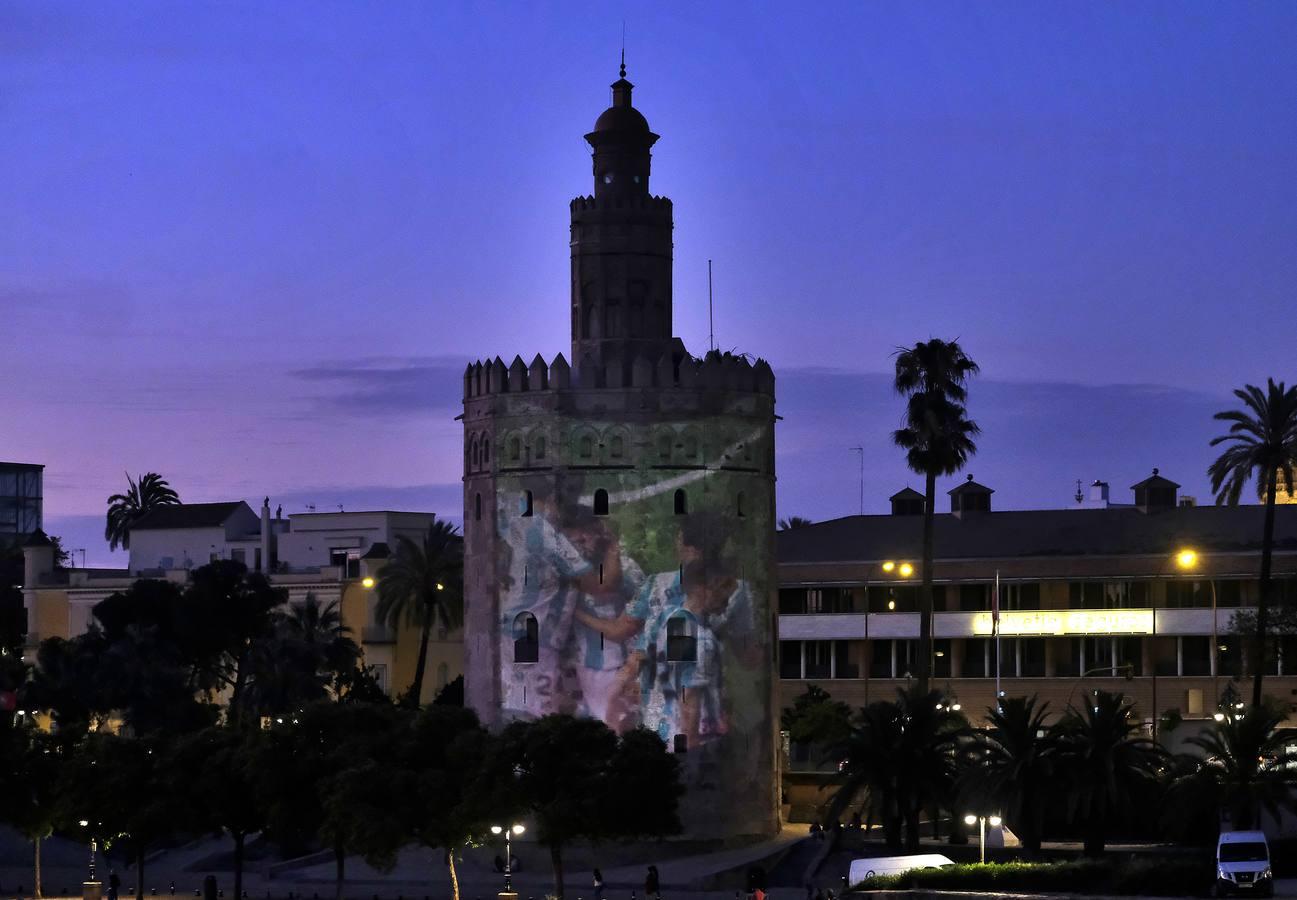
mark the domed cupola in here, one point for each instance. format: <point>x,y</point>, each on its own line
<point>621,140</point>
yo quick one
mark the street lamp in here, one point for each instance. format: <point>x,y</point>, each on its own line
<point>367,582</point>
<point>508,832</point>
<point>1187,559</point>
<point>981,821</point>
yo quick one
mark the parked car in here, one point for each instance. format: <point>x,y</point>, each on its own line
<point>894,865</point>
<point>1243,864</point>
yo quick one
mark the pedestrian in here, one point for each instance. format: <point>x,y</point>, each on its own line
<point>114,885</point>
<point>652,885</point>
<point>598,885</point>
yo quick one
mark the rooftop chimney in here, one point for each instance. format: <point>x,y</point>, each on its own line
<point>1155,493</point>
<point>970,497</point>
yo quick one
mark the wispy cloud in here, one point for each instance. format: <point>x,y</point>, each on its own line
<point>386,386</point>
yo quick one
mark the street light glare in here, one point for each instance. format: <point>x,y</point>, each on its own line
<point>1186,559</point>
<point>367,582</point>
<point>889,566</point>
<point>518,829</point>
<point>970,820</point>
<point>906,570</point>
<point>496,829</point>
<point>995,821</point>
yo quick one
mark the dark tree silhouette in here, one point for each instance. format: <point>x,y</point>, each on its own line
<point>938,440</point>
<point>1262,441</point>
<point>141,497</point>
<point>792,522</point>
<point>423,584</point>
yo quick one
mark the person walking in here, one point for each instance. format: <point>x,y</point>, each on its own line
<point>598,885</point>
<point>114,885</point>
<point>652,885</point>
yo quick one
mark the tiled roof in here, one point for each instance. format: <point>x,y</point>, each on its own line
<point>188,515</point>
<point>1026,533</point>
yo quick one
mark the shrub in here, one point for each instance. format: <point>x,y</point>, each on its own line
<point>1167,877</point>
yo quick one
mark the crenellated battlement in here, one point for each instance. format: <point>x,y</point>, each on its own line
<point>583,204</point>
<point>716,371</point>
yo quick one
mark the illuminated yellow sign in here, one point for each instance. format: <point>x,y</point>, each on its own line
<point>1068,621</point>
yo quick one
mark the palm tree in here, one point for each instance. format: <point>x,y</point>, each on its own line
<point>1243,770</point>
<point>423,584</point>
<point>938,440</point>
<point>1262,441</point>
<point>901,758</point>
<point>1012,766</point>
<point>792,522</point>
<point>141,497</point>
<point>1109,764</point>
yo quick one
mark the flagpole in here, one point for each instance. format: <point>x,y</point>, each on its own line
<point>995,626</point>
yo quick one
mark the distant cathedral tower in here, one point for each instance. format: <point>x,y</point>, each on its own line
<point>619,513</point>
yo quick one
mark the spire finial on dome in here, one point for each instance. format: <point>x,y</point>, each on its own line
<point>623,48</point>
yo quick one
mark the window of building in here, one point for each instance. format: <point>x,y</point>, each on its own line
<point>792,601</point>
<point>664,446</point>
<point>843,667</point>
<point>907,658</point>
<point>680,743</point>
<point>819,659</point>
<point>601,502</point>
<point>1024,595</point>
<point>526,638</point>
<point>682,638</point>
<point>1195,656</point>
<point>691,446</point>
<point>585,447</point>
<point>539,446</point>
<point>379,672</point>
<point>974,597</point>
<point>790,659</point>
<point>974,665</point>
<point>473,452</point>
<point>1031,657</point>
<point>239,555</point>
<point>941,658</point>
<point>515,449</point>
<point>880,659</point>
<point>1067,656</point>
<point>527,504</point>
<point>1230,593</point>
<point>738,505</point>
<point>256,559</point>
<point>617,446</point>
<point>681,502</point>
<point>213,556</point>
<point>486,450</point>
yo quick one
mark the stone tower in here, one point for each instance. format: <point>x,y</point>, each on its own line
<point>619,513</point>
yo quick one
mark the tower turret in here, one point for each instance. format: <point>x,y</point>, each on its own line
<point>621,248</point>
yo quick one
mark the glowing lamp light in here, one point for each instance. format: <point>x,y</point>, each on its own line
<point>496,829</point>
<point>906,570</point>
<point>84,823</point>
<point>1186,559</point>
<point>970,820</point>
<point>891,604</point>
<point>367,582</point>
<point>518,829</point>
<point>889,566</point>
<point>1219,717</point>
<point>994,821</point>
<point>440,586</point>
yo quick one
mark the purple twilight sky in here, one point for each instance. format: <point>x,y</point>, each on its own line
<point>251,246</point>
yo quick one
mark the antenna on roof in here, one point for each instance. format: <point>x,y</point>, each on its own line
<point>711,324</point>
<point>1078,495</point>
<point>623,48</point>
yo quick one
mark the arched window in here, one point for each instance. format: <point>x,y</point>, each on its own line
<point>691,446</point>
<point>601,502</point>
<point>738,505</point>
<point>473,452</point>
<point>526,504</point>
<point>515,449</point>
<point>682,638</point>
<point>540,446</point>
<point>486,450</point>
<point>664,446</point>
<point>585,446</point>
<point>682,502</point>
<point>526,638</point>
<point>617,446</point>
<point>477,507</point>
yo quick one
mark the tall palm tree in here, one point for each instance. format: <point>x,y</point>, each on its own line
<point>1263,442</point>
<point>423,584</point>
<point>792,522</point>
<point>141,497</point>
<point>1243,769</point>
<point>1109,764</point>
<point>938,440</point>
<point>1012,766</point>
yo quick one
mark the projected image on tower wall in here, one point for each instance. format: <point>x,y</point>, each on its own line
<point>633,597</point>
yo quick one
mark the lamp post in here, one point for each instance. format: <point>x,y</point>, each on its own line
<point>891,567</point>
<point>981,821</point>
<point>1187,559</point>
<point>508,831</point>
<point>91,890</point>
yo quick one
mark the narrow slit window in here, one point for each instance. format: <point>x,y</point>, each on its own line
<point>739,506</point>
<point>528,504</point>
<point>681,502</point>
<point>526,638</point>
<point>601,502</point>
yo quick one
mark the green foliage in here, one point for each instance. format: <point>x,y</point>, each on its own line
<point>900,759</point>
<point>1135,877</point>
<point>1110,767</point>
<point>423,585</point>
<point>1013,766</point>
<point>815,717</point>
<point>141,497</point>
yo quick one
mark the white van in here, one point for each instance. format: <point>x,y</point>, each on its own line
<point>894,865</point>
<point>1243,864</point>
